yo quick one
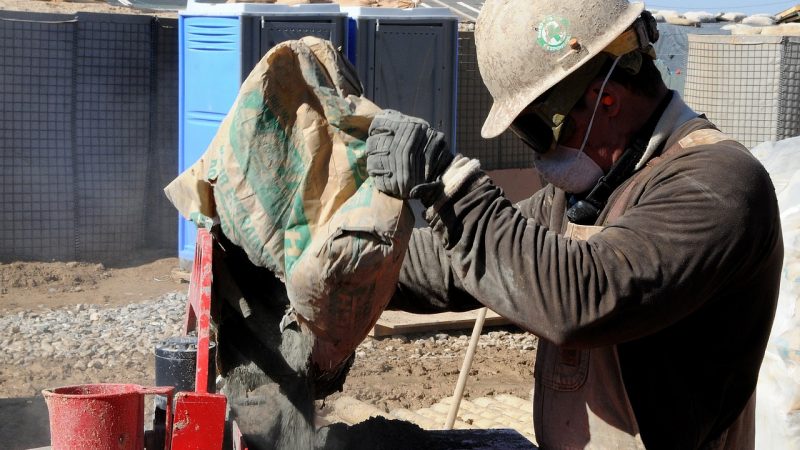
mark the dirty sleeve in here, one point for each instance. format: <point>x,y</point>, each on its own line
<point>427,282</point>
<point>693,233</point>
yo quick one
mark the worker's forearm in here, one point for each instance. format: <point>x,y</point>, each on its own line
<point>427,284</point>
<point>618,285</point>
<point>496,253</point>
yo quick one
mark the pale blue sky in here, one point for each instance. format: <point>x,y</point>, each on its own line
<point>744,6</point>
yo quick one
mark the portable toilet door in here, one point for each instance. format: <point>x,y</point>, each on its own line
<point>219,44</point>
<point>407,60</point>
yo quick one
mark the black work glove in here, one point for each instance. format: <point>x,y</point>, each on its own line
<point>405,156</point>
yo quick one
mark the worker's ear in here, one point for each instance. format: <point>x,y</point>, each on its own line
<point>609,102</point>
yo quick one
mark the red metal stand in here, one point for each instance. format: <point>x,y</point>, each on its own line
<point>198,308</point>
<point>199,421</point>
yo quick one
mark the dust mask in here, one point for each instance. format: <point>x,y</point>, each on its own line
<point>568,168</point>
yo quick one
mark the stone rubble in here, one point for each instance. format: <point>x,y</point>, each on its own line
<point>97,336</point>
<point>94,343</point>
<point>91,336</point>
<point>451,344</point>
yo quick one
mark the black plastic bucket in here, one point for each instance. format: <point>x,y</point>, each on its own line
<point>176,361</point>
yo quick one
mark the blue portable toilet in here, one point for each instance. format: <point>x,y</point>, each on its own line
<point>219,44</point>
<point>407,59</point>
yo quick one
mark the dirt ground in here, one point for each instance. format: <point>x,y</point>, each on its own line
<point>38,286</point>
<point>407,371</point>
<point>28,286</point>
<point>73,6</point>
<point>384,377</point>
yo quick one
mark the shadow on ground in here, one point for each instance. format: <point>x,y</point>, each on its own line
<point>24,423</point>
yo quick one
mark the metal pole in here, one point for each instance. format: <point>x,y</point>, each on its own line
<point>465,366</point>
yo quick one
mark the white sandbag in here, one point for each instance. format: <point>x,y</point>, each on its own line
<point>778,391</point>
<point>759,20</point>
<point>784,29</point>
<point>701,16</point>
<point>681,20</point>
<point>731,17</point>
<point>739,29</point>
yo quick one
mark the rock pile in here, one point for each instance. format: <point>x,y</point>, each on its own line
<point>439,344</point>
<point>94,336</point>
<point>89,343</point>
<point>88,338</point>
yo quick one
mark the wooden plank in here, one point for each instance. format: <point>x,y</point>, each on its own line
<point>790,15</point>
<point>398,322</point>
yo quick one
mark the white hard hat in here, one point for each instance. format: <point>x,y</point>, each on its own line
<point>526,47</point>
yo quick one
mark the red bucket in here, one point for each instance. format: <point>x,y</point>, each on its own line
<point>101,416</point>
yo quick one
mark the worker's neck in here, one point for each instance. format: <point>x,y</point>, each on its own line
<point>641,109</point>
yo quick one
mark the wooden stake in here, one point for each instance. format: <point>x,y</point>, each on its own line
<point>465,366</point>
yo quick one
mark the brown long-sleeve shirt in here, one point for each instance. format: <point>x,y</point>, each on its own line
<point>684,282</point>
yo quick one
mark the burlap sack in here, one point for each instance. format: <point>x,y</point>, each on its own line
<point>286,175</point>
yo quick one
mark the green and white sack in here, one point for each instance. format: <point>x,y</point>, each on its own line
<point>286,176</point>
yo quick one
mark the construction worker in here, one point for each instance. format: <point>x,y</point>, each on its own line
<point>648,267</point>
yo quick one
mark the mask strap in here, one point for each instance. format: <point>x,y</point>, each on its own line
<point>597,103</point>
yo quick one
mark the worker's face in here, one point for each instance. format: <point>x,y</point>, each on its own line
<point>606,141</point>
<point>602,145</point>
<point>565,166</point>
<point>588,141</point>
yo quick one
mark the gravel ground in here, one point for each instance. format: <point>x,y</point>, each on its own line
<point>437,345</point>
<point>85,343</point>
<point>90,334</point>
<point>48,345</point>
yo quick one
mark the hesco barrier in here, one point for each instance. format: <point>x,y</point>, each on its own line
<point>89,135</point>
<point>672,50</point>
<point>749,86</point>
<point>503,152</point>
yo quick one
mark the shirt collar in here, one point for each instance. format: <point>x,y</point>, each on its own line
<point>676,114</point>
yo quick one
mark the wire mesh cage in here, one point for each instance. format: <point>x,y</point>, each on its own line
<point>161,224</point>
<point>474,102</point>
<point>112,135</point>
<point>89,132</point>
<point>36,67</point>
<point>88,135</point>
<point>747,85</point>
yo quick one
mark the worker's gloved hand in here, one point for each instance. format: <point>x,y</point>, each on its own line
<point>405,156</point>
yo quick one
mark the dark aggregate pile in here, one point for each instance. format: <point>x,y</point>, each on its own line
<point>265,359</point>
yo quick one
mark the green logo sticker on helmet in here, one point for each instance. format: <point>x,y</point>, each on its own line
<point>553,33</point>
